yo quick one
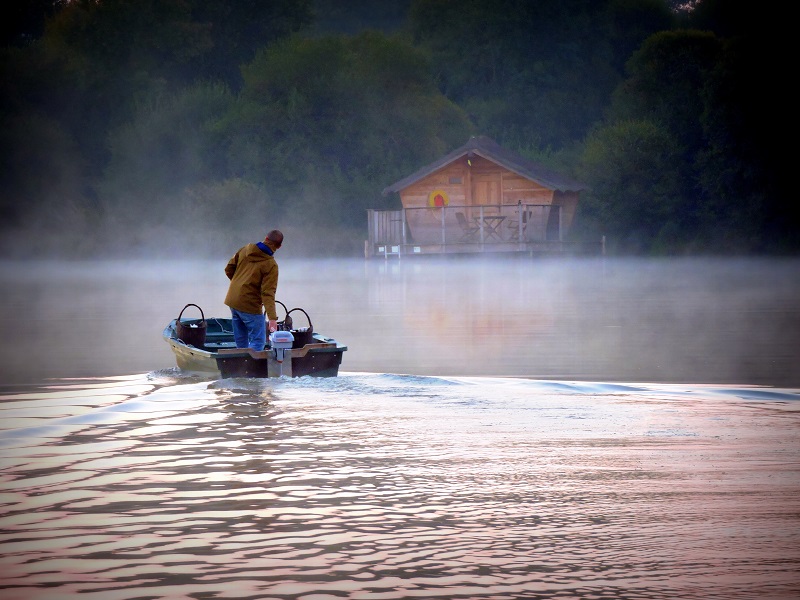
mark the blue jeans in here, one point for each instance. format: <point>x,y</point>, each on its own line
<point>249,330</point>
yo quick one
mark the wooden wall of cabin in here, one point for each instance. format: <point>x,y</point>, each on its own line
<point>452,179</point>
<point>483,183</point>
<point>425,226</point>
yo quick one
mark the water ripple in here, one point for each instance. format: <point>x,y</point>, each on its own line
<point>383,486</point>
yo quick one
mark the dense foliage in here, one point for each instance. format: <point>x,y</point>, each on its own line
<point>191,125</point>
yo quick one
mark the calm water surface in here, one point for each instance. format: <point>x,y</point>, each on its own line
<point>592,430</point>
<point>699,321</point>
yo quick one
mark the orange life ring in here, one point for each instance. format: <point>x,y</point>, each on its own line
<point>438,199</point>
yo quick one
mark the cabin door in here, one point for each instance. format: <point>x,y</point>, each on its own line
<point>485,190</point>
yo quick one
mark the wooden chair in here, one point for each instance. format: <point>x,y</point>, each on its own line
<point>469,229</point>
<point>513,225</point>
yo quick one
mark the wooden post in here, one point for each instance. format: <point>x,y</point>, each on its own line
<point>560,237</point>
<point>480,222</point>
<point>444,241</point>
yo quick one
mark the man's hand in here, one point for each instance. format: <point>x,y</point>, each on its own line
<point>273,326</point>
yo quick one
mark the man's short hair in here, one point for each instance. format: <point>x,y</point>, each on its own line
<point>276,237</point>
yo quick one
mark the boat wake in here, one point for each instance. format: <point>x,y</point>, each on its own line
<point>378,484</point>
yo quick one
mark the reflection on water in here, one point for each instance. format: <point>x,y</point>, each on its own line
<point>672,320</point>
<point>506,458</point>
<point>372,486</point>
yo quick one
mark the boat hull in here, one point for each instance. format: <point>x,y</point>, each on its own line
<point>320,357</point>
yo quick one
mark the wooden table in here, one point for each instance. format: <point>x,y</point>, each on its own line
<point>490,225</point>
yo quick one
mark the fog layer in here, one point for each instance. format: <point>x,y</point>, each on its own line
<point>694,321</point>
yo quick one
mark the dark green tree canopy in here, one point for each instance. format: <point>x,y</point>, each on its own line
<point>533,73</point>
<point>341,109</point>
<point>119,111</point>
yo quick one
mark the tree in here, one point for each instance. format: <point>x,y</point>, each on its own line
<point>698,88</point>
<point>43,197</point>
<point>533,73</point>
<point>126,40</point>
<point>631,22</point>
<point>237,29</point>
<point>173,142</point>
<point>742,172</point>
<point>667,83</point>
<point>328,122</point>
<point>635,190</point>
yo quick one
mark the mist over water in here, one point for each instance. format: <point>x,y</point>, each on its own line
<point>669,320</point>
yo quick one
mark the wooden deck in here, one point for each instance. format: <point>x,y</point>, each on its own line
<point>510,229</point>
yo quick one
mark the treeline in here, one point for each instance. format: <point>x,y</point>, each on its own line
<point>189,126</point>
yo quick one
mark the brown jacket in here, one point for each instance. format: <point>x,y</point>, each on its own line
<point>254,280</point>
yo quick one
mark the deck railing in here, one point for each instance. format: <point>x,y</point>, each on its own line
<point>452,228</point>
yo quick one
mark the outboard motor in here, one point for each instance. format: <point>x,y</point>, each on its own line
<point>280,342</point>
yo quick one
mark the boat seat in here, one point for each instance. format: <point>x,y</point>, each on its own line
<point>216,346</point>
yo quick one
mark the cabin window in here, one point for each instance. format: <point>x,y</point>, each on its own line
<point>454,180</point>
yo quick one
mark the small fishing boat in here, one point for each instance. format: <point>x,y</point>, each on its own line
<point>207,346</point>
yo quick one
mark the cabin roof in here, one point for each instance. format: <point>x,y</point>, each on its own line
<point>490,150</point>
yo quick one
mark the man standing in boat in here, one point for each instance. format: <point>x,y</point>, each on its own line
<point>253,272</point>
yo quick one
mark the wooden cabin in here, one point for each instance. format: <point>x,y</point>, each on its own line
<point>478,198</point>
